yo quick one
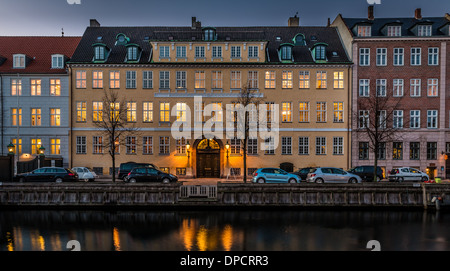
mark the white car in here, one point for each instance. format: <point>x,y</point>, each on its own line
<point>404,174</point>
<point>85,174</point>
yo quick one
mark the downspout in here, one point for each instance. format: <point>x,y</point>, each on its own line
<point>70,119</point>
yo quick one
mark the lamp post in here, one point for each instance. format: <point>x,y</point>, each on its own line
<point>188,149</point>
<point>227,146</point>
<point>41,152</point>
<point>11,148</point>
<point>12,167</point>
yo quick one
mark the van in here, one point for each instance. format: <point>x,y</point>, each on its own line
<point>366,173</point>
<point>126,168</point>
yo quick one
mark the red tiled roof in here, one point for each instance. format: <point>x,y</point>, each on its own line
<point>38,49</point>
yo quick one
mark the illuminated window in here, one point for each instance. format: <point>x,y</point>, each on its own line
<point>200,79</point>
<point>286,79</point>
<point>338,80</point>
<point>364,31</point>
<point>35,87</point>
<point>131,112</point>
<point>433,87</point>
<point>36,143</point>
<point>269,79</point>
<point>181,145</point>
<point>304,79</point>
<point>286,112</point>
<point>97,79</point>
<point>147,110</point>
<point>321,79</point>
<point>147,145</point>
<point>181,112</point>
<point>253,79</point>
<point>16,87</point>
<point>397,150</point>
<point>304,111</point>
<point>114,79</point>
<point>217,79</point>
<point>164,112</point>
<point>97,144</point>
<point>55,117</point>
<point>55,146</point>
<point>236,80</point>
<point>338,115</point>
<point>114,111</point>
<point>81,111</point>
<point>16,116</point>
<point>130,143</point>
<point>80,78</point>
<point>18,144</point>
<point>55,87</point>
<point>97,111</point>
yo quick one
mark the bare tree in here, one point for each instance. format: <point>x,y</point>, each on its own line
<point>115,122</point>
<point>378,122</point>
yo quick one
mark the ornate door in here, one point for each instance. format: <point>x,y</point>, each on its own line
<point>208,159</point>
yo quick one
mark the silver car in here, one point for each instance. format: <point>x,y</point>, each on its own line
<point>85,174</point>
<point>407,174</point>
<point>331,175</point>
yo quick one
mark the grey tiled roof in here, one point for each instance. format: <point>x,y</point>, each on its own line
<point>142,35</point>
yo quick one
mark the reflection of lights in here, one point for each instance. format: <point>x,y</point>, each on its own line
<point>227,237</point>
<point>188,233</point>
<point>116,239</point>
<point>9,242</point>
<point>202,237</point>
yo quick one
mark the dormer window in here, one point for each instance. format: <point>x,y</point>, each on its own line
<point>424,30</point>
<point>319,52</point>
<point>133,53</point>
<point>19,61</point>
<point>394,31</point>
<point>286,52</point>
<point>121,39</point>
<point>57,62</point>
<point>364,31</point>
<point>299,40</point>
<point>209,34</point>
<point>100,52</point>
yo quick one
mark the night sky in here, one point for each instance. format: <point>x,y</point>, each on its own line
<point>47,17</point>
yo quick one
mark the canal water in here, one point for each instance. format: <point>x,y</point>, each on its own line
<point>46,230</point>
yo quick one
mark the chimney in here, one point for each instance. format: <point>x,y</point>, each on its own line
<point>418,14</point>
<point>370,13</point>
<point>294,21</point>
<point>94,23</point>
<point>328,22</point>
<point>196,23</point>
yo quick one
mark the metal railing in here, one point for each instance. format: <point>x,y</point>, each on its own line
<point>198,191</point>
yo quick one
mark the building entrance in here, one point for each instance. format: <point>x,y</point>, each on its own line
<point>208,159</point>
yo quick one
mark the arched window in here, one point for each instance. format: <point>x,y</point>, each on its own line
<point>299,40</point>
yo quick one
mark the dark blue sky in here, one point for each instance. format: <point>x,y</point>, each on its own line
<point>47,17</point>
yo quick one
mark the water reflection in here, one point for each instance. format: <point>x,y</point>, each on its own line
<point>222,231</point>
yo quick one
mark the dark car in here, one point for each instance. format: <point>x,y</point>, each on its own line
<point>48,174</point>
<point>303,172</point>
<point>366,173</point>
<point>149,174</point>
<point>125,168</point>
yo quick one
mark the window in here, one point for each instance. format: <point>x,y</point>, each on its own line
<point>55,87</point>
<point>199,51</point>
<point>36,143</point>
<point>16,115</point>
<point>363,120</point>
<point>97,111</point>
<point>252,146</point>
<point>398,119</point>
<point>114,111</point>
<point>363,150</point>
<point>415,87</point>
<point>19,61</point>
<point>181,171</point>
<point>414,150</point>
<point>414,119</point>
<point>303,145</point>
<point>235,51</point>
<point>381,87</point>
<point>16,87</point>
<point>99,53</point>
<point>97,144</point>
<point>431,150</point>
<point>394,31</point>
<point>382,151</point>
<point>131,79</point>
<point>200,79</point>
<point>382,119</point>
<point>252,51</point>
<point>164,145</point>
<point>304,111</point>
<point>424,30</point>
<point>18,144</point>
<point>147,144</point>
<point>269,79</point>
<point>338,115</point>
<point>164,112</point>
<point>364,31</point>
<point>217,51</point>
<point>216,112</point>
<point>321,145</point>
<point>164,52</point>
<point>36,117</point>
<point>286,112</point>
<point>286,145</point>
<point>338,80</point>
<point>55,146</point>
<point>131,112</point>
<point>97,79</point>
<point>433,87</point>
<point>181,112</point>
<point>180,80</point>
<point>269,146</point>
<point>81,111</point>
<point>320,53</point>
<point>181,51</point>
<point>57,62</point>
<point>286,52</point>
<point>253,79</point>
<point>55,117</point>
<point>398,87</point>
<point>364,56</point>
<point>147,79</point>
<point>209,34</point>
<point>286,79</point>
<point>321,112</point>
<point>217,80</point>
<point>130,143</point>
<point>80,78</point>
<point>432,118</point>
<point>81,145</point>
<point>235,79</point>
<point>381,56</point>
<point>164,80</point>
<point>338,145</point>
<point>416,54</point>
<point>397,150</point>
<point>114,79</point>
<point>399,56</point>
<point>304,79</point>
<point>199,107</point>
<point>132,53</point>
<point>433,56</point>
<point>321,79</point>
<point>35,87</point>
<point>147,112</point>
<point>235,146</point>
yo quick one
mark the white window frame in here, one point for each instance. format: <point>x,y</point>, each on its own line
<point>19,61</point>
<point>381,57</point>
<point>57,61</point>
<point>397,120</point>
<point>394,31</point>
<point>364,88</point>
<point>303,145</point>
<point>398,87</point>
<point>399,57</point>
<point>364,56</point>
<point>433,87</point>
<point>381,86</point>
<point>321,145</point>
<point>432,119</point>
<point>433,56</point>
<point>414,119</point>
<point>416,56</point>
<point>338,145</point>
<point>364,31</point>
<point>415,87</point>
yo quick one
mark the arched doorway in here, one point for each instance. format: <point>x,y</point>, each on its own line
<point>208,159</point>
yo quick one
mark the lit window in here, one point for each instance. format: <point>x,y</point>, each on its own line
<point>338,80</point>
<point>114,79</point>
<point>35,117</point>
<point>97,144</point>
<point>35,87</point>
<point>270,79</point>
<point>80,78</point>
<point>55,117</point>
<point>364,31</point>
<point>164,112</point>
<point>130,143</point>
<point>97,111</point>
<point>36,143</point>
<point>55,87</point>
<point>97,79</point>
<point>321,79</point>
<point>147,109</point>
<point>304,79</point>
<point>338,112</point>
<point>55,146</point>
<point>16,116</point>
<point>286,112</point>
<point>81,111</point>
<point>16,87</point>
<point>200,79</point>
<point>114,111</point>
<point>287,79</point>
<point>131,111</point>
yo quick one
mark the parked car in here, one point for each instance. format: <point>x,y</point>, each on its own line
<point>366,173</point>
<point>274,175</point>
<point>303,173</point>
<point>331,175</point>
<point>149,174</point>
<point>125,168</point>
<point>48,174</point>
<point>85,174</point>
<point>407,174</point>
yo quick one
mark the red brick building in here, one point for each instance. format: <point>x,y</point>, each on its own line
<point>403,61</point>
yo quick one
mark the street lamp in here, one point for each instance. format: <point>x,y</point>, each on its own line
<point>42,151</point>
<point>188,147</point>
<point>227,146</point>
<point>11,149</point>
